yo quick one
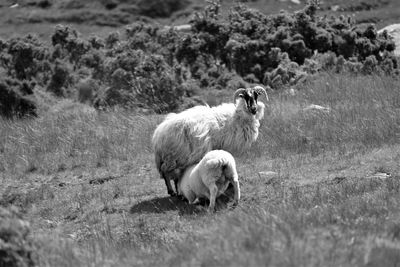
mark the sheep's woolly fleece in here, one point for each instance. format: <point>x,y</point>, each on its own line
<point>210,178</point>
<point>182,139</point>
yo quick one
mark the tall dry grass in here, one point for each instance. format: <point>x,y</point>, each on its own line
<point>72,135</point>
<point>130,222</point>
<point>364,113</point>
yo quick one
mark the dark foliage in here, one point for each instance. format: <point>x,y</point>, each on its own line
<point>16,250</point>
<point>59,79</point>
<point>24,57</point>
<point>14,99</point>
<point>259,47</point>
<point>149,66</point>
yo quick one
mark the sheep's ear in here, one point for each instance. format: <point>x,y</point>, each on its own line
<point>239,93</point>
<point>259,90</point>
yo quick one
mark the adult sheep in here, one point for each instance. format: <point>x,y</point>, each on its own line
<point>210,178</point>
<point>182,139</point>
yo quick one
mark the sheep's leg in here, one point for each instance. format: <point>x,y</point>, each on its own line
<point>176,187</point>
<point>213,195</point>
<point>169,187</point>
<point>236,189</point>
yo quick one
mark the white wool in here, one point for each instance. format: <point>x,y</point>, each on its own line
<point>210,178</point>
<point>182,139</point>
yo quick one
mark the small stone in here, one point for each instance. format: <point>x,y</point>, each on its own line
<point>335,8</point>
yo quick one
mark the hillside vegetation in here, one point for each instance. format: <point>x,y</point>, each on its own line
<point>78,182</point>
<point>153,68</point>
<point>87,183</point>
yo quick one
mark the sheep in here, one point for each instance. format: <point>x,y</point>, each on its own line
<point>182,139</point>
<point>210,178</point>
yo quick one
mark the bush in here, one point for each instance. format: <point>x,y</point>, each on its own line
<point>14,100</point>
<point>59,79</point>
<point>251,43</point>
<point>25,57</point>
<point>149,66</point>
<point>16,249</point>
<point>137,79</point>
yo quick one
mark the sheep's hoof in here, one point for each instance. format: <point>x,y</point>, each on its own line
<point>172,193</point>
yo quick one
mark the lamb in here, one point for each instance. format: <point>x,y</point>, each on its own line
<point>182,139</point>
<point>210,178</point>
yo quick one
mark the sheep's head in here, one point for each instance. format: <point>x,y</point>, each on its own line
<point>250,96</point>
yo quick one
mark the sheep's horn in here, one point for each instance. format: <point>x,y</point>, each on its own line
<point>259,90</point>
<point>237,93</point>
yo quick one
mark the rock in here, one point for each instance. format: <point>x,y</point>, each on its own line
<point>380,175</point>
<point>394,31</point>
<point>297,2</point>
<point>314,107</point>
<point>335,8</point>
<point>179,28</point>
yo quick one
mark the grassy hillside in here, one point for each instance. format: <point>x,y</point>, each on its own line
<point>78,181</point>
<point>86,182</point>
<point>102,16</point>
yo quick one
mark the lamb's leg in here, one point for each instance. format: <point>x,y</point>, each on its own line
<point>213,195</point>
<point>236,189</point>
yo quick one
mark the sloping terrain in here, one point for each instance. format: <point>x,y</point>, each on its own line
<point>79,187</point>
<point>86,182</point>
<point>99,17</point>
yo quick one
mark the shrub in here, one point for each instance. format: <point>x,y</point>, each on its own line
<point>65,38</point>
<point>59,79</point>
<point>251,43</point>
<point>14,100</point>
<point>149,66</point>
<point>16,249</point>
<point>25,57</point>
<point>137,79</point>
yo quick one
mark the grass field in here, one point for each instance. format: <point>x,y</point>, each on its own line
<point>86,182</point>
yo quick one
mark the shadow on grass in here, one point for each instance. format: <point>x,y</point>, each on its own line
<point>164,204</point>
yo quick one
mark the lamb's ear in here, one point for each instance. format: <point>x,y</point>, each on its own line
<point>239,93</point>
<point>259,90</point>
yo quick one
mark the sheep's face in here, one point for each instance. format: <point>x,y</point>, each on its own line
<point>250,96</point>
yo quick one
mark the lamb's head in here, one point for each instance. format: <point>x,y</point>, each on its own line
<point>250,96</point>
